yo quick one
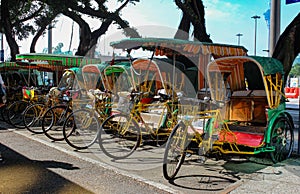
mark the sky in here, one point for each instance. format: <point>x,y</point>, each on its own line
<point>160,18</point>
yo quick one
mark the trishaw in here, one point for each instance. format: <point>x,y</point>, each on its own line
<point>52,64</point>
<point>245,116</point>
<point>61,103</point>
<point>147,111</point>
<point>34,114</point>
<point>13,91</point>
<point>81,127</point>
<point>152,109</point>
<point>29,81</point>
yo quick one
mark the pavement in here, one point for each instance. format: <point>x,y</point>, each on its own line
<point>23,171</point>
<point>279,178</point>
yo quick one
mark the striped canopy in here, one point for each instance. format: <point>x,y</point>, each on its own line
<point>164,46</point>
<point>234,70</point>
<point>11,66</point>
<point>55,62</point>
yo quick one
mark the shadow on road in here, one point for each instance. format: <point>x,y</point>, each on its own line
<point>202,182</point>
<point>19,174</point>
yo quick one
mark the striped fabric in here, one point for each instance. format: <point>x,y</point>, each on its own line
<point>53,62</point>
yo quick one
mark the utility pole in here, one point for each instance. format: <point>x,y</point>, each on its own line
<point>274,25</point>
<point>255,31</point>
<point>50,39</point>
<point>239,37</point>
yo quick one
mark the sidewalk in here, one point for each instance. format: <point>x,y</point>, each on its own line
<point>280,178</point>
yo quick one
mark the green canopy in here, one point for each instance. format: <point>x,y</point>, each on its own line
<point>269,65</point>
<point>56,62</point>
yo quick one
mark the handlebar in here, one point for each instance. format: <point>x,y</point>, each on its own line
<point>99,92</point>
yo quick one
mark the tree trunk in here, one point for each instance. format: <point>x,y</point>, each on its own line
<point>288,46</point>
<point>184,28</point>
<point>200,33</point>
<point>193,13</point>
<point>8,31</point>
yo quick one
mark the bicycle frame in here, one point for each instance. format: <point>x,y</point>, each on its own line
<point>167,116</point>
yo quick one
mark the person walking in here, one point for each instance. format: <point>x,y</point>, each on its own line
<point>2,96</point>
<point>2,92</point>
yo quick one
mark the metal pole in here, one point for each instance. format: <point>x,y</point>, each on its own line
<point>239,37</point>
<point>274,25</point>
<point>255,29</point>
<point>50,39</point>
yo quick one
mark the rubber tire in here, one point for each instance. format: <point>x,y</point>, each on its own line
<point>51,129</point>
<point>15,113</point>
<point>84,137</point>
<point>33,118</point>
<point>110,130</point>
<point>174,141</point>
<point>282,137</point>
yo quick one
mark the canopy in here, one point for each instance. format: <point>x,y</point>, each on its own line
<point>269,65</point>
<point>237,70</point>
<point>11,66</point>
<point>56,62</point>
<point>190,53</point>
<point>6,66</point>
<point>92,75</point>
<point>164,46</point>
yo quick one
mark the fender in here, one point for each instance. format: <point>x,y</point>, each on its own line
<point>275,116</point>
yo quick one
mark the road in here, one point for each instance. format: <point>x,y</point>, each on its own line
<point>33,163</point>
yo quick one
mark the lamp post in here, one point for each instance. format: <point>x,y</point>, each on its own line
<point>239,37</point>
<point>255,29</point>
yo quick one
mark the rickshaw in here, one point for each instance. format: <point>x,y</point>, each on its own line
<point>245,116</point>
<point>51,63</point>
<point>69,88</point>
<point>30,82</point>
<point>12,78</point>
<point>81,127</point>
<point>33,115</point>
<point>149,108</point>
<point>158,91</point>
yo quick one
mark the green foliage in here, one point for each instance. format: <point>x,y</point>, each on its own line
<point>295,71</point>
<point>26,17</point>
<point>32,17</point>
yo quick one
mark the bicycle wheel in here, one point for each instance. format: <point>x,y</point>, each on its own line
<point>15,113</point>
<point>282,138</point>
<point>119,136</point>
<point>53,122</point>
<point>4,113</point>
<point>33,116</point>
<point>175,151</point>
<point>80,130</point>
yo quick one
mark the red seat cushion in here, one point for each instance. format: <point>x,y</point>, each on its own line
<point>241,138</point>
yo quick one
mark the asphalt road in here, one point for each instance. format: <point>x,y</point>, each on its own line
<point>34,164</point>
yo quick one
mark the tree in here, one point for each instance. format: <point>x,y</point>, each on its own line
<point>288,46</point>
<point>88,38</point>
<point>193,14</point>
<point>295,70</point>
<point>19,19</point>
